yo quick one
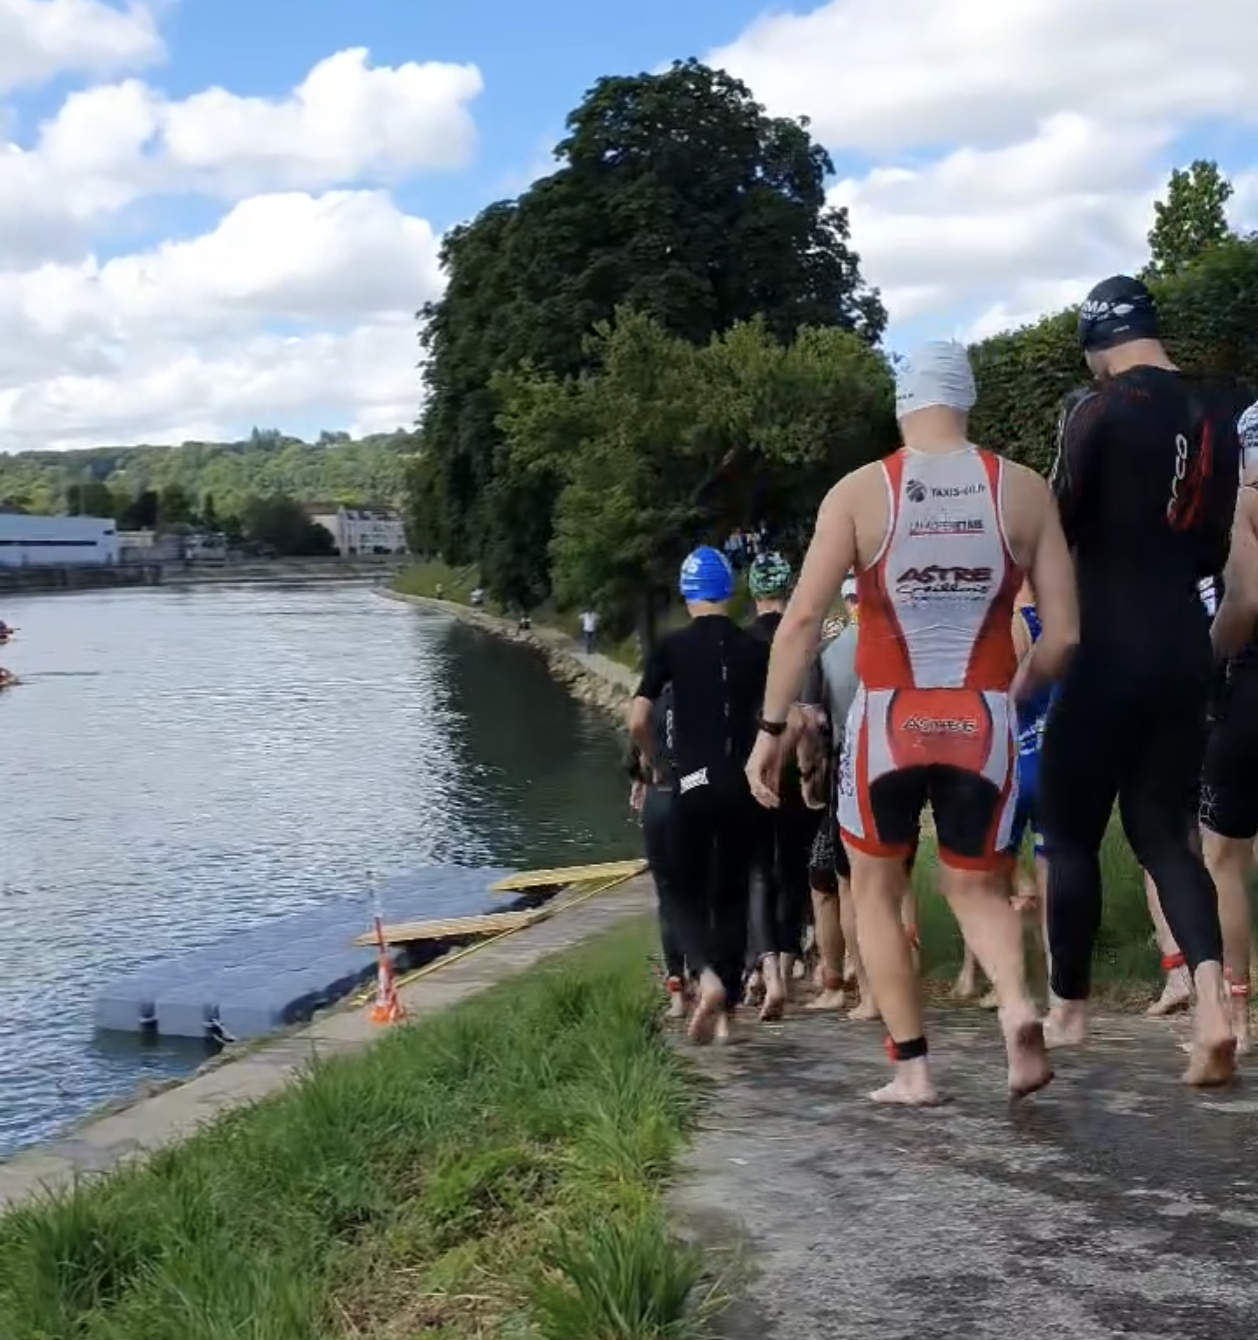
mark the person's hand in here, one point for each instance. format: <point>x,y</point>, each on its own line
<point>813,787</point>
<point>764,769</point>
<point>637,797</point>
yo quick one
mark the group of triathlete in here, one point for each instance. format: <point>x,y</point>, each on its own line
<point>1020,656</point>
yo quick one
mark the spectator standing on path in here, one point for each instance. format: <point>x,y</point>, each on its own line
<point>589,626</point>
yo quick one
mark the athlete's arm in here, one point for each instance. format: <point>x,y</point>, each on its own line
<point>657,674</point>
<point>1052,574</point>
<point>1238,610</point>
<point>830,555</point>
<point>1078,439</point>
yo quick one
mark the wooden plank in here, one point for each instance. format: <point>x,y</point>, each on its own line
<point>450,928</point>
<point>573,874</point>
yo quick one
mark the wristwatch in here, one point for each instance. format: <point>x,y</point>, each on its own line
<point>771,727</point>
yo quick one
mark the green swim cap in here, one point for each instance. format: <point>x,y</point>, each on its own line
<point>770,576</point>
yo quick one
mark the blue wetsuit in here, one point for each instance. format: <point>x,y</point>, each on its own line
<point>1031,718</point>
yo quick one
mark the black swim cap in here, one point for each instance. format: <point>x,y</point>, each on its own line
<point>1117,310</point>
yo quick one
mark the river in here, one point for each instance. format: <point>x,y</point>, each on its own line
<point>178,763</point>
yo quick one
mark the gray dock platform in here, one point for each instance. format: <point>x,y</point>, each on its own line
<point>262,978</point>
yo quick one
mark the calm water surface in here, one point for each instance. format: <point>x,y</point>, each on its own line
<point>180,763</point>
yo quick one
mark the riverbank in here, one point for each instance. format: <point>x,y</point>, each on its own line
<point>591,678</point>
<point>125,576</point>
<point>499,1163</point>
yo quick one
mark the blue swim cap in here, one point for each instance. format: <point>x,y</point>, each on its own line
<point>706,576</point>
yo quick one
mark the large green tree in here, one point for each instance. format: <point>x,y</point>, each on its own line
<point>677,197</point>
<point>663,443</point>
<point>1191,218</point>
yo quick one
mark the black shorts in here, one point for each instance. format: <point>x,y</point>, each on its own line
<point>951,749</point>
<point>1229,779</point>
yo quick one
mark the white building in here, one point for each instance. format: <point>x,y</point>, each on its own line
<point>56,541</point>
<point>361,530</point>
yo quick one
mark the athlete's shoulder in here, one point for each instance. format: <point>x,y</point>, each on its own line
<point>1024,482</point>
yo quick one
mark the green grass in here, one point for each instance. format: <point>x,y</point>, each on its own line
<point>493,1171</point>
<point>1126,954</point>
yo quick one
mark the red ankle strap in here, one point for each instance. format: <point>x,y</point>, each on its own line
<point>1172,961</point>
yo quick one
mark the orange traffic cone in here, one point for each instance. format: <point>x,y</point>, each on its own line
<point>387,1008</point>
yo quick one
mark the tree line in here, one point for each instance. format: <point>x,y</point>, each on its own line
<point>267,464</point>
<point>670,337</point>
<point>273,522</point>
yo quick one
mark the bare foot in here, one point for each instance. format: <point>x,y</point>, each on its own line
<point>1067,1024</point>
<point>709,1015</point>
<point>720,1031</point>
<point>1029,1067</point>
<point>1211,1064</point>
<point>1212,1055</point>
<point>835,999</point>
<point>911,1087</point>
<point>989,1001</point>
<point>1176,995</point>
<point>774,1006</point>
<point>676,1004</point>
<point>867,1012</point>
<point>753,993</point>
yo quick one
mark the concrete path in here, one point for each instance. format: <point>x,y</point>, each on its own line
<point>176,1112</point>
<point>1116,1203</point>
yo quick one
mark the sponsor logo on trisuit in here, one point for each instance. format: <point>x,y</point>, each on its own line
<point>941,725</point>
<point>918,492</point>
<point>947,525</point>
<point>944,580</point>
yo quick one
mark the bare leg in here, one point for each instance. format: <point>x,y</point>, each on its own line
<point>831,949</point>
<point>966,985</point>
<point>877,892</point>
<point>908,916</point>
<point>866,1009</point>
<point>1177,989</point>
<point>1229,861</point>
<point>992,927</point>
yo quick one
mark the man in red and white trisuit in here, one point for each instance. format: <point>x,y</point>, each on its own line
<point>941,534</point>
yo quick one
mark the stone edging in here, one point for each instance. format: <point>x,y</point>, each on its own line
<point>597,680</point>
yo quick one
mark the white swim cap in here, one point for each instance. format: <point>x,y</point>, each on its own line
<point>936,374</point>
<point>1247,431</point>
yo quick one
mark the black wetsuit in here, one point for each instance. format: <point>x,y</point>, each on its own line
<point>1229,780</point>
<point>1146,479</point>
<point>717,672</point>
<point>657,809</point>
<point>779,888</point>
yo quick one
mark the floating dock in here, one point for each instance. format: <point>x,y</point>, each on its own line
<point>256,981</point>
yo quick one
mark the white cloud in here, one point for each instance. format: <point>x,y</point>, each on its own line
<point>111,145</point>
<point>186,333</point>
<point>43,38</point>
<point>1063,116</point>
<point>884,77</point>
<point>297,307</point>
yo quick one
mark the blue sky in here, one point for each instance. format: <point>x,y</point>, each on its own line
<point>139,304</point>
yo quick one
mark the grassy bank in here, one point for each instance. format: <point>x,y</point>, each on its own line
<point>495,1170</point>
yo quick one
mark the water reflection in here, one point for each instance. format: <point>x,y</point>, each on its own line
<point>179,762</point>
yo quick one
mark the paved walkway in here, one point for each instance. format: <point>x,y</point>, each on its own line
<point>175,1113</point>
<point>1116,1203</point>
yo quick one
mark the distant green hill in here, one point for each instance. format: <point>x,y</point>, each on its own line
<point>334,469</point>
